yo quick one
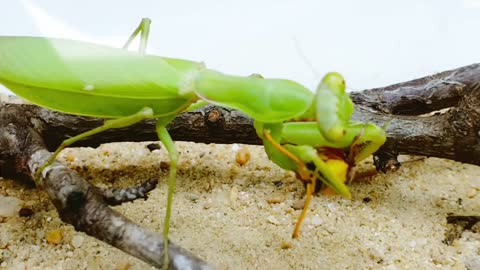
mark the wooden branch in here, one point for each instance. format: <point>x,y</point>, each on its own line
<point>423,95</point>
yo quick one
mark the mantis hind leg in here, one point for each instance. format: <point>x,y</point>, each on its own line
<point>164,136</point>
<point>144,29</point>
<point>109,124</point>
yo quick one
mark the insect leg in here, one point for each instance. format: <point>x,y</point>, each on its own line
<point>308,199</point>
<point>109,124</point>
<point>144,28</point>
<point>173,155</point>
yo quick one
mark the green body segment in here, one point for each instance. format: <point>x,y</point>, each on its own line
<point>93,80</point>
<point>265,100</point>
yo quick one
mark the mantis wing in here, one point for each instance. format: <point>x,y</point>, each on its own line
<point>89,79</point>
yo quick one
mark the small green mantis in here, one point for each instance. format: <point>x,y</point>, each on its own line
<point>308,133</point>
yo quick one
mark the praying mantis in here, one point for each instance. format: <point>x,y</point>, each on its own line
<point>308,133</point>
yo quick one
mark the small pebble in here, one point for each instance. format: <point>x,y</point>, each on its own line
<point>207,205</point>
<point>192,197</point>
<point>242,156</point>
<point>277,183</point>
<point>298,204</point>
<point>35,248</point>
<point>285,245</point>
<point>4,244</point>
<point>25,212</point>
<point>123,265</point>
<point>9,206</point>
<point>412,243</point>
<point>476,227</point>
<point>472,193</point>
<point>422,241</point>
<point>273,220</point>
<point>54,237</point>
<point>153,146</point>
<point>316,221</point>
<point>70,158</point>
<point>77,241</point>
<point>277,198</point>
<point>4,254</point>
<point>40,234</point>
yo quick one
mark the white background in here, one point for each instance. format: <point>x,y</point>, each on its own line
<point>373,43</point>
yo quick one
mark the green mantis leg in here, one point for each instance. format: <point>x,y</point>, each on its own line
<point>144,28</point>
<point>109,124</point>
<point>164,136</point>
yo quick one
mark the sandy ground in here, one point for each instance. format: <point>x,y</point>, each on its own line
<point>242,217</point>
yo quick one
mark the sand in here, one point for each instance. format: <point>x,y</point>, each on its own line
<point>242,216</point>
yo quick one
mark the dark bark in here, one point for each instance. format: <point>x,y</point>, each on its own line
<point>25,129</point>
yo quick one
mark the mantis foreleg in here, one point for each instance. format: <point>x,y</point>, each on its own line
<point>109,124</point>
<point>333,107</point>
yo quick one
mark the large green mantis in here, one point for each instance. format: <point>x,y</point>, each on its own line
<point>305,132</point>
